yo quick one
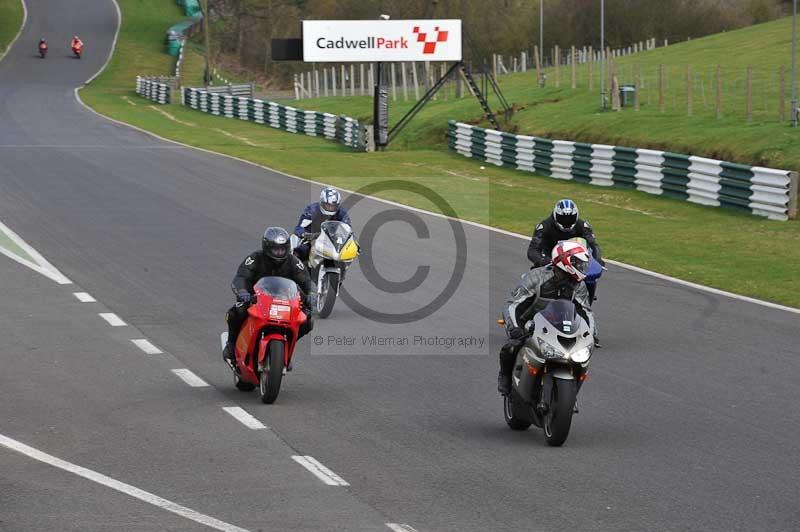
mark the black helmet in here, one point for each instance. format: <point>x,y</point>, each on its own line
<point>275,245</point>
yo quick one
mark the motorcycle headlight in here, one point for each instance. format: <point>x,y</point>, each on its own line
<point>549,351</point>
<point>582,355</point>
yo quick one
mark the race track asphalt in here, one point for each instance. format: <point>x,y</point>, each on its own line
<point>688,421</point>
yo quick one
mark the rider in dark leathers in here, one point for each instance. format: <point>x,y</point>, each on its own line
<point>563,224</point>
<point>329,207</point>
<point>274,259</point>
<point>537,285</point>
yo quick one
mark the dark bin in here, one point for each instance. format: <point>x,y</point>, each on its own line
<point>627,95</point>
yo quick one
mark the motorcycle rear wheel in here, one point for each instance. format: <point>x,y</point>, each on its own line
<point>327,294</point>
<point>558,419</point>
<point>511,415</point>
<point>270,380</point>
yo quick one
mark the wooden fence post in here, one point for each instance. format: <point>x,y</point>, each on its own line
<point>361,79</point>
<point>316,82</point>
<point>394,84</point>
<point>416,83</point>
<point>749,103</point>
<point>637,80</point>
<point>718,105</point>
<point>660,88</point>
<point>344,82</point>
<point>616,104</point>
<point>574,72</point>
<point>403,78</point>
<point>538,66</point>
<point>782,95</point>
<point>557,61</point>
<point>325,82</point>
<point>352,79</point>
<point>444,86</point>
<point>296,89</point>
<point>689,90</point>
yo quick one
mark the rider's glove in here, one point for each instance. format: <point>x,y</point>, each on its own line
<point>515,333</point>
<point>310,301</point>
<point>244,297</point>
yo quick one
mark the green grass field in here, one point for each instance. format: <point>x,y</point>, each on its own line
<point>10,21</point>
<point>715,247</point>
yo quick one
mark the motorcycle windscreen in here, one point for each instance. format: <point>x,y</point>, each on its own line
<point>277,287</point>
<point>337,232</point>
<point>561,314</point>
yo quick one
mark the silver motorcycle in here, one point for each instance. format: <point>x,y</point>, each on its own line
<point>549,370</point>
<point>331,251</point>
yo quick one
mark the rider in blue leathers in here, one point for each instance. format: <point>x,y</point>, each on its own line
<point>329,207</point>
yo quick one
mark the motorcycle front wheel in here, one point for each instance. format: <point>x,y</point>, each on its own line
<point>271,375</point>
<point>327,294</point>
<point>558,419</point>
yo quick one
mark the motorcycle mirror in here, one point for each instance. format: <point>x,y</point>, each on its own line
<point>294,241</point>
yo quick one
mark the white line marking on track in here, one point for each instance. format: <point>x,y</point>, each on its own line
<point>320,471</point>
<point>244,418</point>
<point>401,527</point>
<point>127,489</point>
<point>147,346</point>
<point>440,215</point>
<point>21,28</point>
<point>190,378</point>
<point>39,265</point>
<point>112,319</point>
<point>84,297</point>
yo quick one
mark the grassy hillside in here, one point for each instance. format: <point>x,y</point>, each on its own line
<point>573,114</point>
<point>634,227</point>
<point>10,21</point>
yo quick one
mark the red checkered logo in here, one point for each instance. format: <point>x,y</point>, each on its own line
<point>429,46</point>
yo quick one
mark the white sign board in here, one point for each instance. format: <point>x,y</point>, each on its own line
<point>343,41</point>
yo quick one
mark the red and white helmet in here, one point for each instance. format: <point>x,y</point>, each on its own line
<point>571,257</point>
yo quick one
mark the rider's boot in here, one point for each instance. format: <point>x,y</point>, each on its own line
<point>504,383</point>
<point>229,354</point>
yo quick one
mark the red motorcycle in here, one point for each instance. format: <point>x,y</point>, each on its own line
<point>268,337</point>
<point>42,49</point>
<point>77,50</point>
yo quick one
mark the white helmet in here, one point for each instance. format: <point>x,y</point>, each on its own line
<point>329,201</point>
<point>572,258</point>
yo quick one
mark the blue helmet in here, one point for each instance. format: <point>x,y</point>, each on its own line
<point>565,214</point>
<point>329,201</point>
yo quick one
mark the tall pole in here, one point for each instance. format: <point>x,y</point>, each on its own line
<point>541,32</point>
<point>207,73</point>
<point>603,54</point>
<point>794,64</point>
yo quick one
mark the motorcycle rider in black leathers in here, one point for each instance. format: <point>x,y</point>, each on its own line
<point>561,279</point>
<point>274,259</point>
<point>562,225</point>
